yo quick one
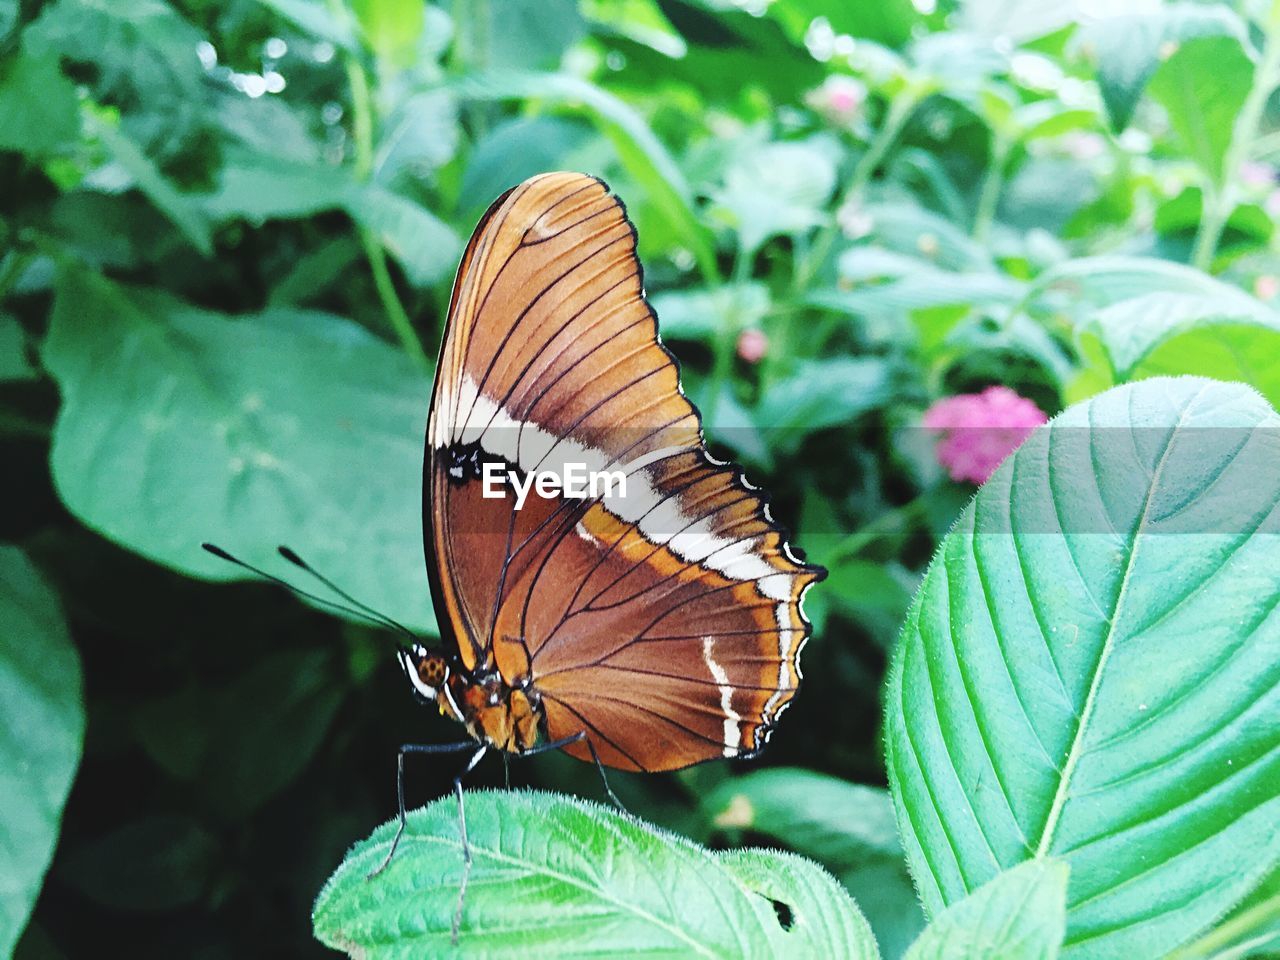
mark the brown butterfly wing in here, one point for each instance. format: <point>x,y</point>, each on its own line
<point>664,622</point>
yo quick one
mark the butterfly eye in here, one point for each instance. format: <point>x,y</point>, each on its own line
<point>433,671</point>
<point>425,671</point>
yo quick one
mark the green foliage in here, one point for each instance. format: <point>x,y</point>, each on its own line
<point>847,827</point>
<point>1019,915</point>
<point>227,238</point>
<point>1092,641</point>
<point>1129,48</point>
<point>40,692</point>
<point>556,876</point>
<point>176,418</point>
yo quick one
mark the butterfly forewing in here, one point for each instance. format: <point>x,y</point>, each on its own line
<point>662,614</point>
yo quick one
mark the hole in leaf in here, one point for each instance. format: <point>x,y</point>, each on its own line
<point>785,917</point>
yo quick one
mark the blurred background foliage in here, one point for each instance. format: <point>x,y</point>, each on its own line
<point>227,235</point>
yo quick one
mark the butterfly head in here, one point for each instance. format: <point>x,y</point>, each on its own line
<point>428,672</point>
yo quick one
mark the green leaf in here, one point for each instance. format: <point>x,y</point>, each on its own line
<point>391,27</point>
<point>180,425</point>
<point>259,187</point>
<point>828,920</point>
<point>1077,287</point>
<point>1020,915</point>
<point>849,828</point>
<point>1129,48</point>
<point>1251,930</point>
<point>516,149</point>
<point>180,208</point>
<point>843,824</point>
<point>1089,667</point>
<point>142,49</point>
<point>419,138</point>
<point>821,394</point>
<point>915,231</point>
<point>40,698</point>
<point>556,875</point>
<point>39,112</point>
<point>777,189</point>
<point>643,155</point>
<point>889,22</point>
<point>521,34</point>
<point>698,313</point>
<point>1178,333</point>
<point>1203,86</point>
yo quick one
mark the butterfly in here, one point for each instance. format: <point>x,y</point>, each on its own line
<point>647,623</point>
<point>651,626</point>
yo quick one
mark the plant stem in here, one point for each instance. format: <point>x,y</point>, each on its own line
<point>362,168</point>
<point>891,521</point>
<point>992,183</point>
<point>900,110</point>
<point>1220,193</point>
<point>726,338</point>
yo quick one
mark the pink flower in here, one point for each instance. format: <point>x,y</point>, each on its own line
<point>1265,287</point>
<point>839,99</point>
<point>980,429</point>
<point>752,345</point>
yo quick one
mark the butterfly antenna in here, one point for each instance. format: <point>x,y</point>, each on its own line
<point>359,610</point>
<point>382,618</point>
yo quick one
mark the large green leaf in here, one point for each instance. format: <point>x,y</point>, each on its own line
<point>40,699</point>
<point>555,876</point>
<point>180,425</point>
<point>1090,669</point>
<point>1129,47</point>
<point>1020,915</point>
<point>1180,333</point>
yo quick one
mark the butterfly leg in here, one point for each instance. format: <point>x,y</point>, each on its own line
<point>466,846</point>
<point>595,757</point>
<point>400,754</point>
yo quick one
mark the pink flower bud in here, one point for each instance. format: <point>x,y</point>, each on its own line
<point>839,99</point>
<point>980,429</point>
<point>1265,287</point>
<point>752,345</point>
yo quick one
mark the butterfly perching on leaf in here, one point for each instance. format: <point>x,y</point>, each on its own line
<point>648,622</point>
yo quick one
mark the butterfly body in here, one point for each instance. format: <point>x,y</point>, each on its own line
<point>494,712</point>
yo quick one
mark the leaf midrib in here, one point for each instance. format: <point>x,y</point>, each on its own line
<point>1076,751</point>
